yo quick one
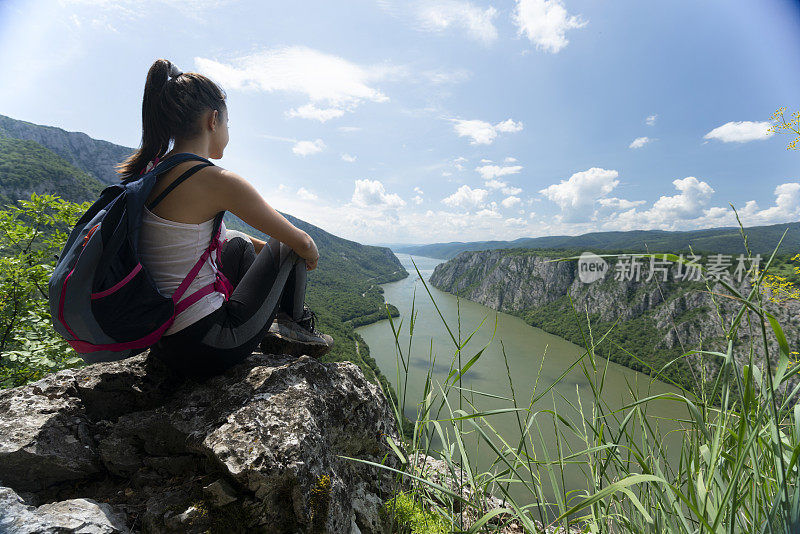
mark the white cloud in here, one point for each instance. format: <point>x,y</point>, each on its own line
<point>488,172</point>
<point>372,193</point>
<point>508,125</point>
<point>687,209</point>
<point>482,132</point>
<point>418,191</point>
<point>740,132</point>
<point>305,194</point>
<point>323,78</point>
<point>417,200</point>
<point>443,14</point>
<point>488,213</point>
<point>518,222</point>
<point>510,202</point>
<point>651,119</point>
<point>786,208</point>
<point>508,190</point>
<point>694,194</point>
<point>310,111</point>
<point>467,197</point>
<point>617,204</point>
<point>544,23</point>
<point>348,129</point>
<point>510,160</point>
<point>639,142</point>
<point>495,184</point>
<point>306,148</point>
<point>577,195</point>
<point>458,162</point>
<point>348,158</point>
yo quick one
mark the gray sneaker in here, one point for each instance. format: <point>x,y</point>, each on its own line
<point>296,337</point>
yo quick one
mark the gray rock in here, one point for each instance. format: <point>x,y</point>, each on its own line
<point>258,449</point>
<point>79,516</point>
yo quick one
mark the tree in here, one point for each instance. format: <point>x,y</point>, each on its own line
<point>32,233</point>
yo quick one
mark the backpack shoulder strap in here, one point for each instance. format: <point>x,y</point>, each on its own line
<point>182,178</point>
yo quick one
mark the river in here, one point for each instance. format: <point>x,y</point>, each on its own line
<point>534,357</point>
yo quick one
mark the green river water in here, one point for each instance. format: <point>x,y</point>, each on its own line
<point>530,353</point>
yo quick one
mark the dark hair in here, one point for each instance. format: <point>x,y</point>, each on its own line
<point>171,108</point>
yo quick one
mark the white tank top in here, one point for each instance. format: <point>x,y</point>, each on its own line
<point>169,250</point>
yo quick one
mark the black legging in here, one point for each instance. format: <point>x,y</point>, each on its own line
<point>272,281</point>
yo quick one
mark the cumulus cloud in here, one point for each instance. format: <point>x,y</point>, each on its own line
<point>786,208</point>
<point>617,204</point>
<point>510,202</point>
<point>444,14</point>
<point>348,158</point>
<point>510,160</point>
<point>305,194</point>
<point>372,193</point>
<point>466,197</point>
<point>651,119</point>
<point>488,213</point>
<point>310,111</point>
<point>417,200</point>
<point>458,163</point>
<point>639,142</point>
<point>482,132</point>
<point>510,190</point>
<point>740,132</point>
<point>322,78</point>
<point>545,23</point>
<point>694,194</point>
<point>306,148</point>
<point>687,209</point>
<point>489,172</point>
<point>419,191</point>
<point>577,195</point>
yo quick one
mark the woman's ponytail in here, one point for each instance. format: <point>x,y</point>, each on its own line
<point>170,108</point>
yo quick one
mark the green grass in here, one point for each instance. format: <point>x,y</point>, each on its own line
<point>735,468</point>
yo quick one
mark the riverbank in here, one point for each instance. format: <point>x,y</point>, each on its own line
<point>535,359</point>
<point>564,436</point>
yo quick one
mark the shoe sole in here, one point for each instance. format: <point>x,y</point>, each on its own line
<point>275,344</point>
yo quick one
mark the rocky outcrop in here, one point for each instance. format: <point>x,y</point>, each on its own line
<point>128,446</point>
<point>96,157</point>
<point>681,315</point>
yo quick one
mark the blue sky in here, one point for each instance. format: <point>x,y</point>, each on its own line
<point>390,121</point>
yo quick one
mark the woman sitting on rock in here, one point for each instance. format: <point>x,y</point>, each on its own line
<point>189,111</point>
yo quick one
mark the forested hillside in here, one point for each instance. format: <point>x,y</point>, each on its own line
<point>93,156</point>
<point>27,167</point>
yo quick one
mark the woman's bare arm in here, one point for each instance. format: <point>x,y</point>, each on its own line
<point>229,191</point>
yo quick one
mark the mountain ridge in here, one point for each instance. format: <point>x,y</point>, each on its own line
<point>722,240</point>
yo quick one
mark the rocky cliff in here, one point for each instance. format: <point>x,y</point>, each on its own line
<point>94,156</point>
<point>129,447</point>
<point>657,320</point>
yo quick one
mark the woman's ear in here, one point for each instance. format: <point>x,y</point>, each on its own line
<point>212,120</point>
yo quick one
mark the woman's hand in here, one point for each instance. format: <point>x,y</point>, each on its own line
<point>313,257</point>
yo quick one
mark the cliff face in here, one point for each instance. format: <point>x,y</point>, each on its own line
<point>93,156</point>
<point>129,447</point>
<point>676,315</point>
